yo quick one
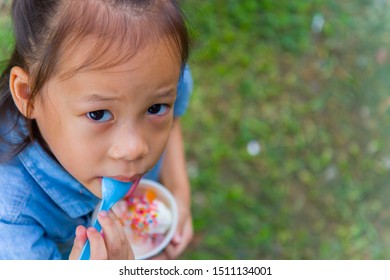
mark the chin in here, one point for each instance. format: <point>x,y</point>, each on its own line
<point>95,187</point>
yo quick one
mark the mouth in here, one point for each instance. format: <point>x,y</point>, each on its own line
<point>124,179</point>
<point>135,180</point>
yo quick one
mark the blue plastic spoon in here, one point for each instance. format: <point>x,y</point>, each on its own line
<point>112,192</point>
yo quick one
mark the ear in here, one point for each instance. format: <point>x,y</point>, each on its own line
<point>20,90</point>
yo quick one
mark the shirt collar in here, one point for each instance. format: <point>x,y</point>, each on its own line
<point>65,190</point>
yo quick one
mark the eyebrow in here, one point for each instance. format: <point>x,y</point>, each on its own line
<point>164,93</point>
<point>167,92</point>
<point>97,97</point>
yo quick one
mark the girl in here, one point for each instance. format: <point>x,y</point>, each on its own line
<point>89,91</point>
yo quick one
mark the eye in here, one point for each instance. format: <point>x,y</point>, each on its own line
<point>100,115</point>
<point>158,109</point>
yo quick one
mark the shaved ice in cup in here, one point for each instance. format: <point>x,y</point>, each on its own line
<point>149,216</point>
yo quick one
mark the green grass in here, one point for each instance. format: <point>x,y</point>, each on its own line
<point>319,106</point>
<point>316,104</point>
<point>6,39</point>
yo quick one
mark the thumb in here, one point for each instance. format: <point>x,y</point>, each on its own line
<point>78,244</point>
<point>176,239</point>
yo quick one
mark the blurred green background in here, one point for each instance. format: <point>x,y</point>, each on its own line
<point>288,127</point>
<point>287,130</point>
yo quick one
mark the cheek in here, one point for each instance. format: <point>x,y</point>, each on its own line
<point>83,146</point>
<point>76,148</point>
<point>81,158</point>
<point>159,140</point>
<point>50,126</point>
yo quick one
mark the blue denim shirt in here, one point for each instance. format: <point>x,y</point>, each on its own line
<point>40,207</point>
<point>41,204</point>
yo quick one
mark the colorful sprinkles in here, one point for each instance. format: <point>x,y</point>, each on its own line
<point>141,214</point>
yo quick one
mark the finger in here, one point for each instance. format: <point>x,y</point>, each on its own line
<point>180,241</point>
<point>119,226</point>
<point>169,253</point>
<point>79,241</point>
<point>177,238</point>
<point>97,245</point>
<point>172,251</point>
<point>122,235</point>
<point>161,256</point>
<point>116,247</point>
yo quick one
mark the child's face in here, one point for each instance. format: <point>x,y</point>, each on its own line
<point>112,122</point>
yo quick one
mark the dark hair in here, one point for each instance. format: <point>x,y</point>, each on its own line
<point>47,30</point>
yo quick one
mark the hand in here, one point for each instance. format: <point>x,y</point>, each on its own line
<point>180,240</point>
<point>112,245</point>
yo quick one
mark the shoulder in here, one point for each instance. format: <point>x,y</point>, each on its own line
<point>15,188</point>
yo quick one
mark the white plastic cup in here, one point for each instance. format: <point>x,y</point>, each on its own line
<point>165,196</point>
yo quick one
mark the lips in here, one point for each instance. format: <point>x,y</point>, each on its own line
<point>126,179</point>
<point>135,180</point>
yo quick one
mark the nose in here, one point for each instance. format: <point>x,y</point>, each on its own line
<point>129,146</point>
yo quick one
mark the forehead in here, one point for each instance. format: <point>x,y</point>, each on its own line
<point>153,63</point>
<point>94,54</point>
<point>107,35</point>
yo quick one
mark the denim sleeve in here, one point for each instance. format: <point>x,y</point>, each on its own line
<point>184,90</point>
<point>25,242</point>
